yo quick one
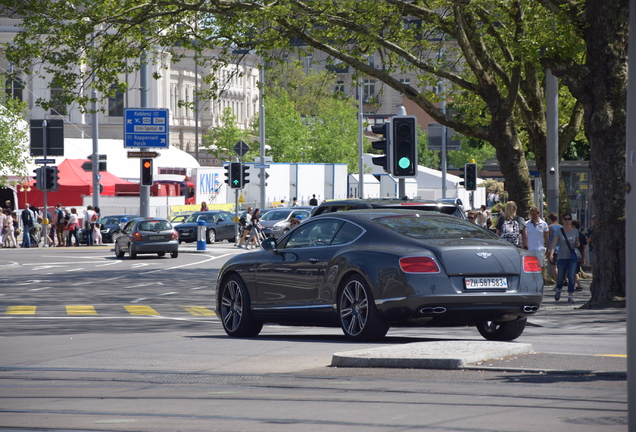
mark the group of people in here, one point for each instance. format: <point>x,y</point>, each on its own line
<point>63,227</point>
<point>562,245</point>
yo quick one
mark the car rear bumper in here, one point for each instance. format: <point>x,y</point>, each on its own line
<point>171,246</point>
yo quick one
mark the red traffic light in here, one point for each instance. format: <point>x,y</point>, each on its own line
<point>147,164</point>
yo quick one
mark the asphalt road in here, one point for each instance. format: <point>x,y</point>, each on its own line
<point>149,356</point>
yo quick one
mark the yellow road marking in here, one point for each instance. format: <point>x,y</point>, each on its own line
<point>612,355</point>
<point>198,310</point>
<point>81,310</point>
<point>141,310</point>
<point>21,310</point>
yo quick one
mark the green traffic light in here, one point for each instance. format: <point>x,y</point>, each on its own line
<point>404,163</point>
<point>235,182</point>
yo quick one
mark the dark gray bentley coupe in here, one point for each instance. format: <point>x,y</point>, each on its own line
<point>369,270</point>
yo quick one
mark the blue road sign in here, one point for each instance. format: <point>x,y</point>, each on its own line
<point>146,127</point>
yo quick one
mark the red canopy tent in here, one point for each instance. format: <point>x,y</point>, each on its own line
<point>74,183</point>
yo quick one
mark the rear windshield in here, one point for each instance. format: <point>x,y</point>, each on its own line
<point>451,210</point>
<point>431,227</point>
<point>154,225</point>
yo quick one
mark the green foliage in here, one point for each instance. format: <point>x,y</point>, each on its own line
<point>221,141</point>
<point>14,145</point>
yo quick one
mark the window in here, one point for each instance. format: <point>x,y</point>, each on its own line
<point>313,234</point>
<point>369,90</point>
<point>340,88</point>
<point>346,234</point>
<point>116,103</point>
<point>14,88</point>
<point>58,106</point>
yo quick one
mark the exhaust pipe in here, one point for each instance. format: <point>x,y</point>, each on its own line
<point>530,309</point>
<point>433,310</point>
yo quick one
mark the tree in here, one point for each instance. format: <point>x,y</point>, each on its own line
<point>220,141</point>
<point>598,80</point>
<point>14,145</point>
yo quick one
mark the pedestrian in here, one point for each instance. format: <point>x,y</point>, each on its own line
<point>567,238</point>
<point>73,228</point>
<point>97,230</point>
<point>90,217</point>
<point>590,242</point>
<point>582,243</point>
<point>538,235</point>
<point>482,216</point>
<point>294,202</point>
<point>204,206</point>
<point>8,232</point>
<point>511,227</point>
<point>37,226</point>
<point>247,228</point>
<point>26,217</point>
<point>471,216</point>
<point>8,205</point>
<point>282,203</point>
<point>313,201</point>
<point>255,232</point>
<point>50,237</point>
<point>554,228</point>
<point>59,224</point>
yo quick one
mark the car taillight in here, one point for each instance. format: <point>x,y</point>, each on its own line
<point>531,264</point>
<point>137,237</point>
<point>175,235</point>
<point>419,265</point>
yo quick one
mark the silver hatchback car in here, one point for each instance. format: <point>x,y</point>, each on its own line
<point>147,236</point>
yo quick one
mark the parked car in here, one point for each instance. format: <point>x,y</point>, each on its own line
<point>369,270</point>
<point>219,226</point>
<point>275,222</point>
<point>108,226</point>
<point>147,236</point>
<point>456,201</point>
<point>179,219</point>
<point>369,203</point>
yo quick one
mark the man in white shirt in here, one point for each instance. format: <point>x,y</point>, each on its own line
<point>282,203</point>
<point>89,224</point>
<point>538,237</point>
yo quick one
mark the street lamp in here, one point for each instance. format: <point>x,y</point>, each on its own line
<point>25,188</point>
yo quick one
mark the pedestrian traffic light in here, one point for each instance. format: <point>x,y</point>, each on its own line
<point>236,174</point>
<point>404,146</point>
<point>470,176</point>
<point>146,172</point>
<point>384,145</point>
<point>51,178</point>
<point>39,178</point>
<point>244,175</point>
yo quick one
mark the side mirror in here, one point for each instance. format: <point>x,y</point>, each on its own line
<point>269,244</point>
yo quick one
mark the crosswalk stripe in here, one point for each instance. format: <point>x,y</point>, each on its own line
<point>21,310</point>
<point>141,310</point>
<point>198,310</point>
<point>81,310</point>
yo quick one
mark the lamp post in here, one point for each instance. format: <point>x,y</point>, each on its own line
<point>25,188</point>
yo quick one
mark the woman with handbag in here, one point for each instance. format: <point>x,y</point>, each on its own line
<point>73,228</point>
<point>568,256</point>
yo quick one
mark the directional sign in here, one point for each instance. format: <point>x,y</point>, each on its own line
<point>146,127</point>
<point>143,154</point>
<point>44,161</point>
<point>241,148</point>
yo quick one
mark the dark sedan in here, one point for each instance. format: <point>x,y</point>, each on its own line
<point>369,270</point>
<point>219,225</point>
<point>109,225</point>
<point>147,236</point>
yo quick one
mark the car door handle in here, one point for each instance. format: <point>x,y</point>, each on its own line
<point>314,260</point>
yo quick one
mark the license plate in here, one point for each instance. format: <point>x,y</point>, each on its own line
<point>479,283</point>
<point>156,237</point>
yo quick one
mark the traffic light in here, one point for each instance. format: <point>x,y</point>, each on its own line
<point>244,175</point>
<point>39,178</point>
<point>236,174</point>
<point>384,145</point>
<point>404,146</point>
<point>146,172</point>
<point>51,178</point>
<point>228,180</point>
<point>470,176</point>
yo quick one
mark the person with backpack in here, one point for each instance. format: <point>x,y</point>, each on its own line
<point>59,224</point>
<point>511,227</point>
<point>568,257</point>
<point>247,229</point>
<point>27,223</point>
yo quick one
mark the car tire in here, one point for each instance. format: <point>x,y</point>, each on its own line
<point>359,318</point>
<point>174,254</point>
<point>131,252</point>
<point>234,305</point>
<point>118,252</point>
<point>210,237</point>
<point>502,331</point>
<point>161,254</point>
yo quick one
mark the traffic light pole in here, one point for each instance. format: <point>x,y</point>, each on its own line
<point>45,220</point>
<point>144,191</point>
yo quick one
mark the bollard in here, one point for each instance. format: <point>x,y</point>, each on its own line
<point>201,235</point>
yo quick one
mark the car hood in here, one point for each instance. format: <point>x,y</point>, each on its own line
<point>270,223</point>
<point>481,257</point>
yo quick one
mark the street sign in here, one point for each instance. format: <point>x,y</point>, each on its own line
<point>44,161</point>
<point>241,148</point>
<point>146,127</point>
<point>54,138</point>
<point>261,166</point>
<point>143,154</point>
